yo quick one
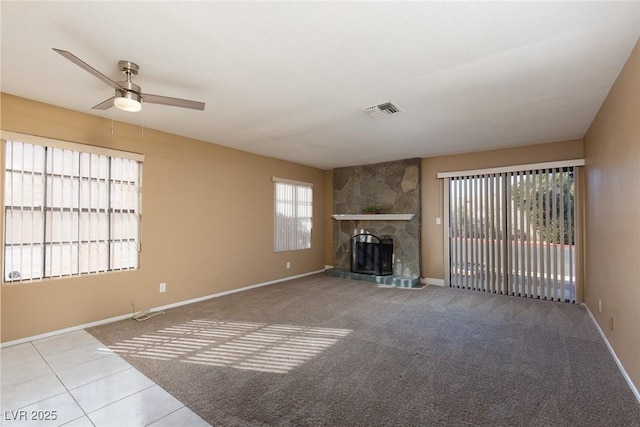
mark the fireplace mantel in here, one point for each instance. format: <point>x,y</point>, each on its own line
<point>373,217</point>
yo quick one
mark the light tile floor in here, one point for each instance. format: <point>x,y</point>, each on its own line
<point>74,380</point>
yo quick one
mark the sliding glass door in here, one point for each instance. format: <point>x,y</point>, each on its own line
<point>514,233</point>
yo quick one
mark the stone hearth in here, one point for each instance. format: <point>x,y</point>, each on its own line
<point>393,280</point>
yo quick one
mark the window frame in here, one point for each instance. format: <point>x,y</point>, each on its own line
<point>109,220</point>
<point>293,242</point>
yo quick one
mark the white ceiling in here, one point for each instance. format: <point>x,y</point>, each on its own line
<point>288,79</point>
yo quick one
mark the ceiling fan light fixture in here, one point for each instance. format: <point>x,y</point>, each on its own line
<point>128,101</point>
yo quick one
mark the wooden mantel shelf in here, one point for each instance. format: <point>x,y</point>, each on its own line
<point>373,217</point>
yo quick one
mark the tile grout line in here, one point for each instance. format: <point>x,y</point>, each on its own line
<point>170,413</point>
<point>139,391</point>
<point>68,391</point>
<point>127,396</point>
<point>52,371</point>
<point>86,414</point>
<point>64,386</point>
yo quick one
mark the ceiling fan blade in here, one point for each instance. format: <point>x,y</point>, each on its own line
<point>175,102</point>
<point>104,105</point>
<point>80,63</point>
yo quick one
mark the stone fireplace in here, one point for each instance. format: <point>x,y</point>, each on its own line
<point>393,190</point>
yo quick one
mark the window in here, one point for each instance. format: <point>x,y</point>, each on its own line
<point>515,233</point>
<point>293,215</point>
<point>69,209</point>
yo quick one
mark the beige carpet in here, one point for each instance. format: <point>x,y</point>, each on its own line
<point>326,351</point>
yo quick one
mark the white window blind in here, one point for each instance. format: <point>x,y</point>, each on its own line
<point>515,233</point>
<point>69,212</point>
<point>293,215</point>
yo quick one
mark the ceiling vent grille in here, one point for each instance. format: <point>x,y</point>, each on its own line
<point>382,109</point>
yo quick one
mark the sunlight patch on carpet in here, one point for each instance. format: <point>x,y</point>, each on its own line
<point>240,345</point>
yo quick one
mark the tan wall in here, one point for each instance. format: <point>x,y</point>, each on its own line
<point>432,188</point>
<point>207,224</point>
<point>612,154</point>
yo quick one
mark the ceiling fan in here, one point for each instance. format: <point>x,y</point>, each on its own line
<point>128,95</point>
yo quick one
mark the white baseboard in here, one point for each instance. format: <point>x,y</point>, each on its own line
<point>233,291</point>
<point>164,307</point>
<point>431,281</point>
<point>328,267</point>
<point>65,330</point>
<point>633,387</point>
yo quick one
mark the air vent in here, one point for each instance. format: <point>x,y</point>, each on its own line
<point>382,109</point>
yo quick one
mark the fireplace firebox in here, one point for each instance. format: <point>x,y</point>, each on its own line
<point>371,254</point>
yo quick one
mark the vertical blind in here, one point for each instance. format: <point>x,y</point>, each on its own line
<point>514,233</point>
<point>293,215</point>
<point>68,212</point>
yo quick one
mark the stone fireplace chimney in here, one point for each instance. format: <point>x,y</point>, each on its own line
<point>391,188</point>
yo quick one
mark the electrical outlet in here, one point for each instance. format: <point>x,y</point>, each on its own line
<point>288,265</point>
<point>438,221</point>
<point>599,306</point>
<point>163,287</point>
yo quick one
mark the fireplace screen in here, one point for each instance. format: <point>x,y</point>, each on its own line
<point>371,254</point>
